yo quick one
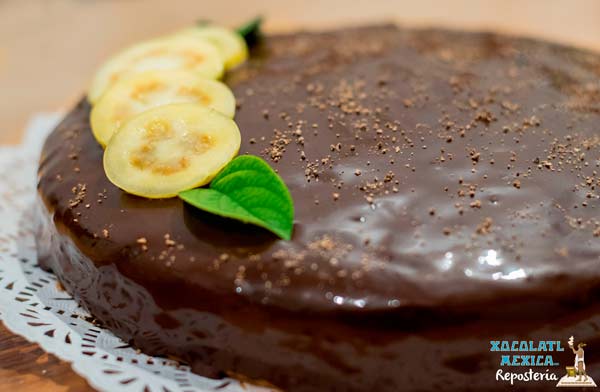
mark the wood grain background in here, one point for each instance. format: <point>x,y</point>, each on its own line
<point>50,48</point>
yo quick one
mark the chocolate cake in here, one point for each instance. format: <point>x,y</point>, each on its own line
<point>446,194</point>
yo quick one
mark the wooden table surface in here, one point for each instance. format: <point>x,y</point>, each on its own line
<point>50,48</point>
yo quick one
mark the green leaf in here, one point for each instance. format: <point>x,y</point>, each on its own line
<point>203,22</point>
<point>248,190</point>
<point>251,30</point>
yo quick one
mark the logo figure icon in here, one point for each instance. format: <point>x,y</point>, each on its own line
<point>576,375</point>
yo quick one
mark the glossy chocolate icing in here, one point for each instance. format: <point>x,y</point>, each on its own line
<point>446,193</point>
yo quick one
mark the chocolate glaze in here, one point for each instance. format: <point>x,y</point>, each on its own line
<point>446,193</point>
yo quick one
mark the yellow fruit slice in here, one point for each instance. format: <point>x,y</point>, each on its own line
<point>135,94</point>
<point>177,52</point>
<point>230,44</point>
<point>169,149</point>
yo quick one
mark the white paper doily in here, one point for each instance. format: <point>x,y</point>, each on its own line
<point>33,306</point>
